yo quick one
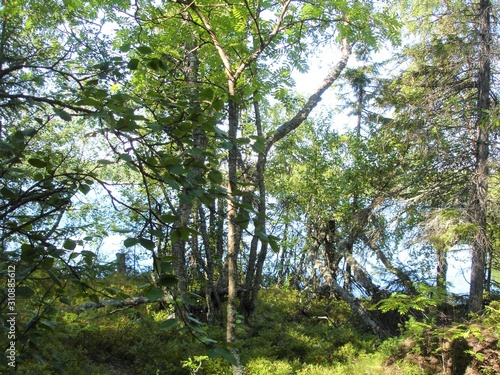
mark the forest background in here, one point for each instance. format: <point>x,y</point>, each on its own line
<point>178,127</point>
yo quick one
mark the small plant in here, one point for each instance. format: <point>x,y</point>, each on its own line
<point>264,366</point>
<point>492,317</point>
<point>390,347</point>
<point>428,298</point>
<point>193,364</point>
<point>476,355</point>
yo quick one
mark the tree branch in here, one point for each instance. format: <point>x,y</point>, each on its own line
<point>52,102</point>
<point>313,100</point>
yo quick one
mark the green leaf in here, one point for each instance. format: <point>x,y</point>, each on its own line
<point>37,163</point>
<point>176,169</point>
<point>169,218</point>
<point>54,278</point>
<point>169,323</point>
<point>259,145</point>
<point>166,267</point>
<point>197,192</point>
<point>94,298</point>
<point>65,300</point>
<point>184,198</point>
<point>194,320</point>
<point>274,244</point>
<point>179,233</point>
<point>167,280</point>
<point>242,220</point>
<point>227,145</point>
<point>155,127</point>
<point>218,105</point>
<point>29,132</point>
<point>126,157</point>
<point>48,324</point>
<point>145,50</point>
<point>129,242</point>
<point>24,292</point>
<point>84,188</point>
<point>154,63</point>
<point>4,146</point>
<point>195,327</point>
<point>215,176</point>
<point>69,244</point>
<point>28,253</point>
<point>262,236</point>
<point>7,193</point>
<point>133,64</point>
<point>207,340</point>
<point>228,356</point>
<point>146,243</point>
<point>125,47</point>
<point>217,351</point>
<point>47,263</point>
<point>100,94</point>
<point>154,294</point>
<point>207,94</point>
<point>63,115</point>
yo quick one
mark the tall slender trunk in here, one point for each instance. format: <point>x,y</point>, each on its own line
<point>256,263</point>
<point>282,256</point>
<point>179,247</point>
<point>210,292</point>
<point>234,232</point>
<point>185,208</point>
<point>480,244</point>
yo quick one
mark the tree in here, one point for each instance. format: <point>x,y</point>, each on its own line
<point>451,79</point>
<point>158,101</point>
<point>47,65</point>
<point>481,246</point>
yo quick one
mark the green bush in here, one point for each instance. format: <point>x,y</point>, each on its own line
<point>390,347</point>
<point>492,317</point>
<point>265,366</point>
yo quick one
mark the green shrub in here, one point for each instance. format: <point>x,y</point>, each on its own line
<point>492,317</point>
<point>265,366</point>
<point>390,347</point>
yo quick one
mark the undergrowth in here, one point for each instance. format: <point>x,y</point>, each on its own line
<point>288,336</point>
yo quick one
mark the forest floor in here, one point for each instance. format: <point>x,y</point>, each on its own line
<point>291,334</point>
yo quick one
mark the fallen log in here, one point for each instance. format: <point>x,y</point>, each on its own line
<point>129,302</point>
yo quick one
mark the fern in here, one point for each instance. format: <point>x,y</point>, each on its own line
<point>427,297</point>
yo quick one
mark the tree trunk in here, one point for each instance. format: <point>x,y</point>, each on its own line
<point>281,271</point>
<point>256,263</point>
<point>400,274</point>
<point>121,263</point>
<point>190,71</point>
<point>233,235</point>
<point>480,244</point>
<point>211,297</point>
<point>442,269</point>
<point>179,247</point>
<point>355,304</point>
